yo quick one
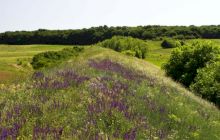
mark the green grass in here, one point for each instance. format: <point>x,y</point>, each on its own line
<point>157,55</point>
<point>150,105</point>
<point>9,55</point>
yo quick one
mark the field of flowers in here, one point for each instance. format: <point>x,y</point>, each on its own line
<point>102,94</point>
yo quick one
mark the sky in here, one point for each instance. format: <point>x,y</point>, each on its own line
<point>77,14</point>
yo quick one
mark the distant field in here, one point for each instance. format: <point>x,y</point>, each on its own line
<point>157,55</point>
<point>10,55</point>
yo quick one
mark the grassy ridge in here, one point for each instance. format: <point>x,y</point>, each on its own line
<point>109,95</point>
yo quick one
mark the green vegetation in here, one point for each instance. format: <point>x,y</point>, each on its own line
<point>156,54</point>
<point>102,94</point>
<point>185,62</point>
<point>11,56</point>
<point>15,60</point>
<point>170,43</point>
<point>97,34</point>
<point>52,58</point>
<point>94,92</point>
<point>207,83</point>
<point>126,45</point>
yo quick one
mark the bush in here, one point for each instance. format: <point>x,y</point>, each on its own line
<point>124,44</point>
<point>50,58</point>
<point>184,61</point>
<point>170,43</point>
<point>207,83</point>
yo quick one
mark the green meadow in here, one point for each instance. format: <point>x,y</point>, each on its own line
<point>12,55</point>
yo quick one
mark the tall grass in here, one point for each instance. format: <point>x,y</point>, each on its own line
<point>104,95</point>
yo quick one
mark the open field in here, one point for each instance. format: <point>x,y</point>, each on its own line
<point>11,55</point>
<point>157,55</point>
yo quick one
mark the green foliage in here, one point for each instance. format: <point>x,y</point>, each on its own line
<point>50,58</point>
<point>97,34</point>
<point>207,83</point>
<point>184,61</point>
<point>170,43</point>
<point>128,45</point>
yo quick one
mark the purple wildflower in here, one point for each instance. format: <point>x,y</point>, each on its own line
<point>108,65</point>
<point>38,75</point>
<point>62,80</point>
<point>44,132</point>
<point>131,135</point>
<point>12,132</point>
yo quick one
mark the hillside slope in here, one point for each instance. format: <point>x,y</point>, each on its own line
<point>103,94</point>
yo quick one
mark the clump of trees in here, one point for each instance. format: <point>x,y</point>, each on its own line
<point>51,58</point>
<point>207,83</point>
<point>127,45</point>
<point>170,43</point>
<point>97,34</point>
<point>192,64</point>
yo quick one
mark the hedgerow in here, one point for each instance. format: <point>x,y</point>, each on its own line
<point>127,45</point>
<point>50,58</point>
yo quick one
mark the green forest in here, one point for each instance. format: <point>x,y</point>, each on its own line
<point>98,34</point>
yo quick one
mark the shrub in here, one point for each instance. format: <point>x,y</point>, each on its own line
<point>124,44</point>
<point>50,58</point>
<point>184,61</point>
<point>170,43</point>
<point>207,83</point>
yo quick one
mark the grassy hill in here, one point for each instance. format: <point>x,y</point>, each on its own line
<point>102,94</point>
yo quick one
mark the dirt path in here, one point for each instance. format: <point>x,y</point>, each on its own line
<point>5,75</point>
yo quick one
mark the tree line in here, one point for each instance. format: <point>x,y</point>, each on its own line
<point>97,34</point>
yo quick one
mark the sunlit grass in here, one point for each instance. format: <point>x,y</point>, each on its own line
<point>10,54</point>
<point>104,94</point>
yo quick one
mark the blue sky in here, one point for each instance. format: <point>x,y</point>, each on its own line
<point>74,14</point>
